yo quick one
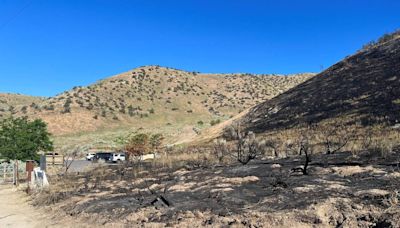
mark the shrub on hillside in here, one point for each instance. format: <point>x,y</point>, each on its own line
<point>156,141</point>
<point>67,106</point>
<point>215,122</point>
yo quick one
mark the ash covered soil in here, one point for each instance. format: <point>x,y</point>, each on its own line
<point>341,190</point>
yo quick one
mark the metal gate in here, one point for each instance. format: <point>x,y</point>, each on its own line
<point>8,172</point>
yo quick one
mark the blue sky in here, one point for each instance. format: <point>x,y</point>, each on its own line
<point>48,46</point>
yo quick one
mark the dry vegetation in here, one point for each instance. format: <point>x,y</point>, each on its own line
<point>192,187</point>
<point>175,102</point>
<point>10,103</point>
<point>328,175</point>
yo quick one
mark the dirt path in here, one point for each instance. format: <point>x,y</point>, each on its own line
<point>15,210</point>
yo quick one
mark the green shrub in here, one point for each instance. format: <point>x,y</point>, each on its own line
<point>215,122</point>
<point>21,138</point>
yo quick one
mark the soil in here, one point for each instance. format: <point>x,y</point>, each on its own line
<point>354,192</point>
<point>15,210</point>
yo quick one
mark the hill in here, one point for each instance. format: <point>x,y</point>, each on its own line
<point>9,102</point>
<point>363,88</point>
<point>174,102</point>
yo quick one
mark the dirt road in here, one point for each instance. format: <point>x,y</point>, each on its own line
<point>15,210</point>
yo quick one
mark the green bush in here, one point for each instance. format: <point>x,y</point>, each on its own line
<point>21,138</point>
<point>215,122</point>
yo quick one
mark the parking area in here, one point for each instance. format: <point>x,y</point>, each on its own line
<point>79,165</point>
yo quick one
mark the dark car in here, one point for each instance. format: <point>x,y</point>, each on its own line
<point>106,156</point>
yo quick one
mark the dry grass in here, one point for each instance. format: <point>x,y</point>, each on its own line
<point>152,97</point>
<point>378,139</point>
<point>10,102</point>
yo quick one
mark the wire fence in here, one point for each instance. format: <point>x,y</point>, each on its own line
<point>8,172</point>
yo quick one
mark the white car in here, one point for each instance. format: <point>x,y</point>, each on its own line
<point>118,157</point>
<point>90,156</point>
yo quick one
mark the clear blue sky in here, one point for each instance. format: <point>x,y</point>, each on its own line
<point>48,46</point>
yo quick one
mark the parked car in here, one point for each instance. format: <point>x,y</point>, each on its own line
<point>105,156</point>
<point>90,156</point>
<point>118,157</point>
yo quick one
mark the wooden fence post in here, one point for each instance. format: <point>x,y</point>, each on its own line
<point>17,173</point>
<point>13,172</point>
<point>4,172</point>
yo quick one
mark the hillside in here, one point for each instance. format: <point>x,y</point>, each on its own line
<point>9,102</point>
<point>362,88</point>
<point>155,98</point>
